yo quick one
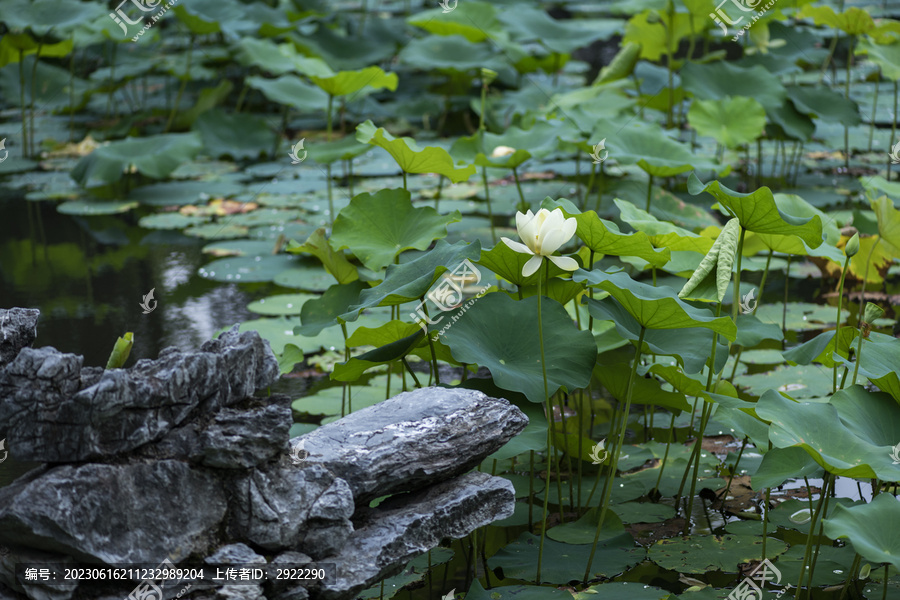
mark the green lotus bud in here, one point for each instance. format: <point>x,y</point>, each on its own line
<point>488,76</point>
<point>873,312</point>
<point>865,571</point>
<point>852,246</point>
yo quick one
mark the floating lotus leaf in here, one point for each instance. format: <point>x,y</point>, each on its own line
<point>95,207</point>
<point>530,24</point>
<point>516,592</point>
<point>825,103</point>
<point>217,231</point>
<point>566,562</point>
<point>703,553</point>
<point>237,135</point>
<point>280,304</point>
<point>449,53</point>
<point>719,80</point>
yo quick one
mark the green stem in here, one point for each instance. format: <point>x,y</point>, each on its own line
<point>874,110</point>
<point>23,108</point>
<point>893,128</point>
<point>347,386</point>
<point>837,333</point>
<point>487,196</point>
<point>328,123</point>
<point>434,364</point>
<point>523,205</point>
<point>549,427</point>
<point>812,529</point>
<point>649,191</point>
<point>620,441</point>
<point>408,368</point>
<point>847,95</point>
<point>184,82</point>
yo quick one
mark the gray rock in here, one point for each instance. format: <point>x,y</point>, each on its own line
<point>403,527</point>
<point>38,590</point>
<point>18,329</point>
<point>113,513</point>
<point>413,439</point>
<point>281,507</point>
<point>239,439</point>
<point>235,554</point>
<point>50,420</point>
<point>287,589</point>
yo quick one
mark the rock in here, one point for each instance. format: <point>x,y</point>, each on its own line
<point>235,554</point>
<point>18,329</point>
<point>52,420</point>
<point>282,589</point>
<point>39,590</point>
<point>413,439</point>
<point>288,507</point>
<point>113,513</point>
<point>239,439</point>
<point>403,527</point>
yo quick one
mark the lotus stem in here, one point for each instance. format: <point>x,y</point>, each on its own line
<point>620,441</point>
<point>434,364</point>
<point>837,334</point>
<point>874,110</point>
<point>590,186</point>
<point>662,465</point>
<point>549,408</point>
<point>765,523</point>
<point>762,287</point>
<point>523,205</point>
<point>347,386</point>
<point>183,86</point>
<point>893,129</point>
<point>649,191</point>
<point>827,480</point>
<point>411,372</point>
<point>828,58</point>
<point>736,464</point>
<point>328,120</point>
<point>487,196</point>
<point>22,105</point>
<point>854,566</point>
<point>847,95</point>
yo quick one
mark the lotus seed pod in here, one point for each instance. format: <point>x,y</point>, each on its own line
<point>488,76</point>
<point>852,246</point>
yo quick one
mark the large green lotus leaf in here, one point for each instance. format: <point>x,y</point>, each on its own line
<point>880,363</point>
<point>334,262</point>
<point>473,149</point>
<point>95,207</point>
<point>236,135</point>
<point>615,377</point>
<point>791,121</point>
<point>615,590</point>
<point>782,464</point>
<point>759,212</point>
<point>155,156</point>
<point>290,90</point>
<point>583,530</point>
<point>508,264</point>
<point>42,17</point>
<point>646,479</point>
<point>742,424</point>
<point>689,346</point>
<point>654,307</point>
<point>704,553</point>
<point>328,401</point>
<point>663,234</point>
<point>730,121</point>
<point>280,334</point>
<point>330,308</point>
<point>853,21</point>
<point>752,331</point>
<point>652,150</point>
<point>621,66</point>
<point>410,157</point>
<point>176,193</point>
<point>722,79</point>
<point>604,237</point>
<point>648,28</point>
<point>345,148</point>
<point>872,529</point>
<point>411,280</point>
<point>246,268</point>
<point>801,316</point>
<point>449,53</point>
<point>476,21</point>
<point>851,435</point>
<point>491,334</point>
<point>530,24</point>
<point>280,304</point>
<point>825,104</point>
<point>888,224</point>
<point>643,512</point>
<point>886,56</point>
<point>264,216</point>
<point>820,349</point>
<point>796,514</point>
<point>563,563</point>
<point>378,227</point>
<point>664,205</point>
<point>348,82</point>
<point>276,59</point>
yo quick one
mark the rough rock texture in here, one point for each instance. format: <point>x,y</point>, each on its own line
<point>18,329</point>
<point>413,439</point>
<point>175,457</point>
<point>402,528</point>
<point>114,513</point>
<point>55,420</point>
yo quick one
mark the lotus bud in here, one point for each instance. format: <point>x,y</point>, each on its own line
<point>852,246</point>
<point>488,76</point>
<point>865,571</point>
<point>873,312</point>
<point>501,151</point>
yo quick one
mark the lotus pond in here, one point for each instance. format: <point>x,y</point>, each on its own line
<point>667,230</point>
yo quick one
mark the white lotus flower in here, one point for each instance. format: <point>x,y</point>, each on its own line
<point>543,235</point>
<point>501,151</point>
